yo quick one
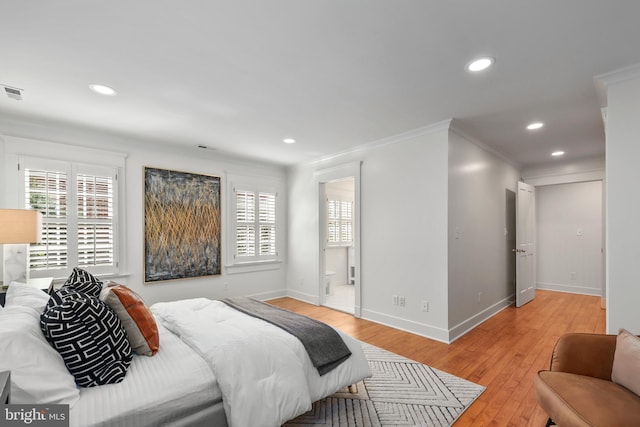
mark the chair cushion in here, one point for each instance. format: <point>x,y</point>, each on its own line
<point>577,400</point>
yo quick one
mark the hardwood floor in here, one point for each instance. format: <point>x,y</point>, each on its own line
<point>502,354</point>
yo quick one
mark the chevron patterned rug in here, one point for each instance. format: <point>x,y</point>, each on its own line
<point>401,392</point>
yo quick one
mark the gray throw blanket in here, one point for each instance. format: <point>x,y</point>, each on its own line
<point>323,344</point>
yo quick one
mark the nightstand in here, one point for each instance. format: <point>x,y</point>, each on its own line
<point>5,387</point>
<point>43,283</point>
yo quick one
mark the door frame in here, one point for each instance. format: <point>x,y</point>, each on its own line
<point>322,177</point>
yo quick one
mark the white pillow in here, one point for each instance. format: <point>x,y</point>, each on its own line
<point>21,294</point>
<point>38,373</point>
<point>626,361</point>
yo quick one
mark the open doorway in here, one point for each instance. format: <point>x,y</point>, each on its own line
<point>570,237</point>
<point>339,250</point>
<point>339,276</point>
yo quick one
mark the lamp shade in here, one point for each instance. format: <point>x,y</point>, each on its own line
<point>20,226</point>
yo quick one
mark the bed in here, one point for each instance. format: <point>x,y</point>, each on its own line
<point>206,371</point>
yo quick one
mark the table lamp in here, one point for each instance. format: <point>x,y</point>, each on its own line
<point>18,227</point>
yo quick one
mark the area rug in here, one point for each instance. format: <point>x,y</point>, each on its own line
<point>401,392</point>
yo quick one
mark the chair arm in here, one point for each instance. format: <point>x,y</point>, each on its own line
<point>585,354</point>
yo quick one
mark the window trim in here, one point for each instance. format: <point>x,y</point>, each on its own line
<point>340,221</point>
<point>72,170</point>
<point>18,147</point>
<point>257,262</point>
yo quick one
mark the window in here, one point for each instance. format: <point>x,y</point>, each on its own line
<point>339,222</point>
<point>78,205</point>
<point>255,225</point>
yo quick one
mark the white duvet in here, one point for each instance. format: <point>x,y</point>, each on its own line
<point>264,373</point>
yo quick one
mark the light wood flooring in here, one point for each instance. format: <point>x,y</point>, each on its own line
<point>502,354</point>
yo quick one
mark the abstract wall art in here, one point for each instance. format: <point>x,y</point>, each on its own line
<point>181,225</point>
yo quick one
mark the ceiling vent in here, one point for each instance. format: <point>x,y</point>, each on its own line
<point>13,92</point>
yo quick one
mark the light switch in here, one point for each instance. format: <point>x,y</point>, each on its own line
<point>579,232</point>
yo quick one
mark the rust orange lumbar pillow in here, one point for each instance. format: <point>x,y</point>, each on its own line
<point>135,316</point>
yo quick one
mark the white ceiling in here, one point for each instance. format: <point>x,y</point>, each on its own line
<point>241,75</point>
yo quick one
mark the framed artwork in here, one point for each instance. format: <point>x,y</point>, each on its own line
<point>181,225</point>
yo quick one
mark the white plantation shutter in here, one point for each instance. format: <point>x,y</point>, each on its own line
<point>46,191</point>
<point>346,222</point>
<point>267,213</point>
<point>245,224</point>
<point>333,224</point>
<point>78,204</point>
<point>255,219</point>
<point>339,222</point>
<point>95,220</point>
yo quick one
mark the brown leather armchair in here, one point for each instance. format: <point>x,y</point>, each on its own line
<point>577,389</point>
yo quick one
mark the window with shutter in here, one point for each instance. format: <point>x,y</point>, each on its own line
<point>79,222</point>
<point>255,225</point>
<point>339,222</point>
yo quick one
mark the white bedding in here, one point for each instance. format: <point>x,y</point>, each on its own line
<point>165,389</point>
<point>264,373</point>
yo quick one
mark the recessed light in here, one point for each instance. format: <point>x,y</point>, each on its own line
<point>481,63</point>
<point>557,153</point>
<point>103,90</point>
<point>288,140</point>
<point>535,125</point>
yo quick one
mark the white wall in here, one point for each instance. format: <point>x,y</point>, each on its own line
<point>336,261</point>
<point>403,231</point>
<point>623,205</point>
<point>481,276</point>
<point>565,172</point>
<point>569,237</point>
<point>263,284</point>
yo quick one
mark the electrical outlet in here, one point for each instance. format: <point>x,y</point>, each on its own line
<point>401,301</point>
<point>425,306</point>
<point>573,275</point>
<point>226,286</point>
<point>394,300</point>
<point>479,296</point>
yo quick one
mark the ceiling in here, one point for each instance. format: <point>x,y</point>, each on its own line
<point>241,75</point>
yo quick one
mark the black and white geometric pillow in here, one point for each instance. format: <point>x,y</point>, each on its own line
<point>83,281</point>
<point>89,337</point>
<point>59,296</point>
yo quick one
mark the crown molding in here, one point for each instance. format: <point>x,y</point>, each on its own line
<point>389,140</point>
<point>618,76</point>
<point>455,129</point>
<point>603,81</point>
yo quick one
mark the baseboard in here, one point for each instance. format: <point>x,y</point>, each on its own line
<point>571,289</point>
<point>315,300</point>
<point>264,296</point>
<point>304,297</point>
<point>462,328</point>
<point>417,328</point>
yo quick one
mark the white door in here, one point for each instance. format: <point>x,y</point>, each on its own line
<point>525,244</point>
